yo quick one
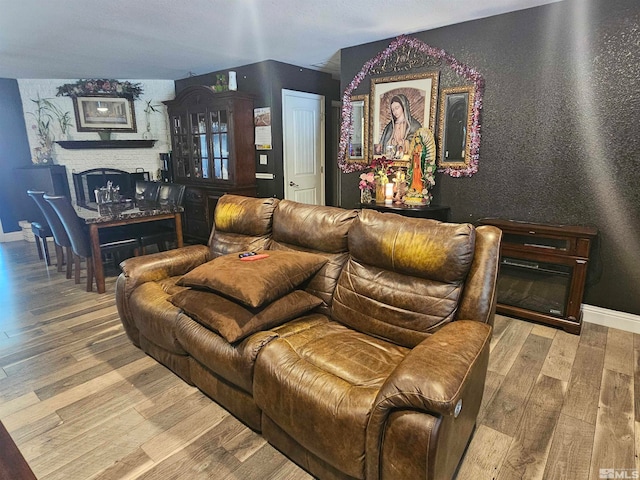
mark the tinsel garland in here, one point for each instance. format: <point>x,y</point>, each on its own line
<point>461,69</point>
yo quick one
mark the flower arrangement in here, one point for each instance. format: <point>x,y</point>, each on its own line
<point>382,169</point>
<point>375,179</point>
<point>100,87</point>
<point>367,181</point>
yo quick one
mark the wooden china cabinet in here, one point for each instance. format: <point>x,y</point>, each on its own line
<point>213,152</point>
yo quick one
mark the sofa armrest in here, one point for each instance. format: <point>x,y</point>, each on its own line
<point>167,264</point>
<point>149,268</point>
<point>432,375</point>
<point>439,377</point>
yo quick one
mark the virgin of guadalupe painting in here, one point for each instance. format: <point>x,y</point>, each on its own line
<point>399,130</point>
<point>401,105</point>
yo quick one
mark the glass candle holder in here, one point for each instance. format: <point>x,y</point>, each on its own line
<point>388,193</point>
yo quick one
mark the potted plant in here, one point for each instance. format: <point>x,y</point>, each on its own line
<point>148,110</point>
<point>43,116</point>
<point>46,112</point>
<point>64,121</point>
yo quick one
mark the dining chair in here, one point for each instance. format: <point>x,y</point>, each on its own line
<point>41,232</point>
<point>146,193</point>
<point>78,234</point>
<point>171,194</point>
<point>60,237</point>
<point>160,233</point>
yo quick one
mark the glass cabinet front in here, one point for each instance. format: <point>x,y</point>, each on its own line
<point>181,157</point>
<point>201,145</point>
<point>219,138</point>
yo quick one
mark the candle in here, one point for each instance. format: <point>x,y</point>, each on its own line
<point>388,193</point>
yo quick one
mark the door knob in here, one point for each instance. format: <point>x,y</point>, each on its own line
<point>292,184</point>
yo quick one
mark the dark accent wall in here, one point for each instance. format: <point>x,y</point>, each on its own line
<point>14,152</point>
<point>559,141</point>
<point>266,80</point>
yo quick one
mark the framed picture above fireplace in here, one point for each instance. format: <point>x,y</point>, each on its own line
<point>104,113</point>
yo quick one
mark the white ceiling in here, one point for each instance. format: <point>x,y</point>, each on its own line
<point>171,39</point>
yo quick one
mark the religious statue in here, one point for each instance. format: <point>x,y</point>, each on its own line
<point>422,168</point>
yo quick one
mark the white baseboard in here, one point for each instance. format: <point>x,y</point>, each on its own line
<point>11,236</point>
<point>611,318</point>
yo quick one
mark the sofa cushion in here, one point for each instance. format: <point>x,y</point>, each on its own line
<point>234,362</point>
<point>418,247</point>
<point>319,386</point>
<point>234,321</point>
<point>405,276</point>
<point>254,283</point>
<point>240,224</point>
<point>317,229</point>
<point>314,227</point>
<point>156,318</point>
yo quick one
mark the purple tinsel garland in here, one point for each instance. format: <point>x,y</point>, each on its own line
<point>461,69</point>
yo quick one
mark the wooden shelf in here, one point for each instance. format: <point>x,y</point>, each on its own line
<point>92,144</point>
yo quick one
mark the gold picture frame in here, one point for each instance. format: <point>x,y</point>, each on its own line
<point>358,146</point>
<point>454,127</point>
<point>104,113</point>
<point>417,93</point>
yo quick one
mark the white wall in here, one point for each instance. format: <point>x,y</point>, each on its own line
<point>128,159</point>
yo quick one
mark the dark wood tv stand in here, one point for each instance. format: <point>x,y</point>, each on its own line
<point>543,271</point>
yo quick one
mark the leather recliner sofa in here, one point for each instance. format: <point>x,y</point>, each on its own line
<point>383,379</point>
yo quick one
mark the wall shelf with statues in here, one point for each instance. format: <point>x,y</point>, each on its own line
<point>94,144</point>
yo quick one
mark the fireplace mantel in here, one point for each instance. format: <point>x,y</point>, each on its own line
<point>93,144</point>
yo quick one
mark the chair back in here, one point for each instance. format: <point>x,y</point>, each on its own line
<point>146,192</point>
<point>171,194</point>
<point>73,225</point>
<point>57,229</point>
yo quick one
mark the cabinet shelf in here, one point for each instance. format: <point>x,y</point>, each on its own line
<point>93,144</point>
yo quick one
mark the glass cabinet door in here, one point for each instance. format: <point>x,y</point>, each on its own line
<point>199,145</point>
<point>220,144</point>
<point>181,156</point>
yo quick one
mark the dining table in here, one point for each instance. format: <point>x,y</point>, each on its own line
<point>118,214</point>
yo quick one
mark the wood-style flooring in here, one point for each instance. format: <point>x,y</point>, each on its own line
<point>81,402</point>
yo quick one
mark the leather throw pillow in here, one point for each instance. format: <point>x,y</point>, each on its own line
<point>234,321</point>
<point>255,283</point>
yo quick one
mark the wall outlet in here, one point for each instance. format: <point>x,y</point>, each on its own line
<point>263,159</point>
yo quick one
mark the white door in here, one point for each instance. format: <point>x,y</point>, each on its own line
<point>303,127</point>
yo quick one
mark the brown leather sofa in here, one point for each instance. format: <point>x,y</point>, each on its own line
<point>382,380</point>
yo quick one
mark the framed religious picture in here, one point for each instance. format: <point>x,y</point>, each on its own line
<point>104,113</point>
<point>358,147</point>
<point>400,105</point>
<point>454,127</point>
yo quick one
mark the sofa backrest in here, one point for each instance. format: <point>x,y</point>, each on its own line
<point>318,229</point>
<point>404,277</point>
<point>241,224</point>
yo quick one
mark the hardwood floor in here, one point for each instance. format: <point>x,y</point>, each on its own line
<point>81,402</point>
